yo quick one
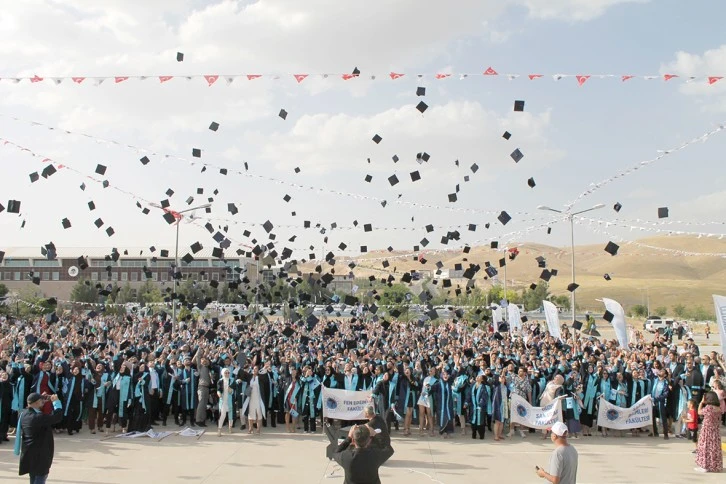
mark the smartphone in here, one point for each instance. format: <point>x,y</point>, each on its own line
<point>536,467</point>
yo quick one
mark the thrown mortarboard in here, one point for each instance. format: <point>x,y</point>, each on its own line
<point>196,247</point>
<point>179,56</point>
<point>283,114</point>
<point>577,325</point>
<point>422,106</point>
<point>66,223</point>
<point>533,286</point>
<point>13,206</point>
<point>507,135</point>
<point>145,160</point>
<point>268,226</point>
<point>196,153</point>
<point>531,183</point>
<point>100,169</point>
<point>612,248</point>
<point>517,155</point>
<point>452,197</point>
<point>519,105</point>
<point>607,277</point>
<point>110,231</point>
<point>494,244</point>
<point>546,275</point>
<point>34,177</point>
<point>91,205</point>
<point>377,139</point>
<point>498,336</point>
<point>232,208</point>
<point>420,91</point>
<point>214,126</point>
<point>617,207</point>
<point>572,286</point>
<point>393,180</point>
<point>367,227</point>
<point>504,218</point>
<point>663,212</point>
<point>210,335</point>
<point>415,176</point>
<point>368,178</point>
<point>287,198</point>
<point>608,316</point>
<point>363,248</point>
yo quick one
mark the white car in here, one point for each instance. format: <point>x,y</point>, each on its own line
<point>655,325</point>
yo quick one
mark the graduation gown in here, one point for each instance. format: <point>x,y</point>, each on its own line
<point>311,390</point>
<point>500,395</point>
<point>478,404</point>
<point>75,390</point>
<point>443,395</point>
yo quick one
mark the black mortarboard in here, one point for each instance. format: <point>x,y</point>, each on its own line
<point>452,197</point>
<point>350,344</point>
<point>422,106</point>
<point>47,171</point>
<point>533,286</point>
<point>13,206</point>
<point>504,218</point>
<point>34,177</point>
<point>415,176</point>
<point>612,248</point>
<point>498,336</point>
<point>367,227</point>
<point>474,168</point>
<point>572,286</point>
<point>546,275</point>
<point>377,139</point>
<point>420,91</point>
<point>494,244</point>
<point>364,248</point>
<point>519,105</point>
<point>164,253</point>
<point>66,223</point>
<point>531,183</point>
<point>517,155</point>
<point>179,56</point>
<point>577,325</point>
<point>617,207</point>
<point>288,331</point>
<point>268,226</point>
<point>283,114</point>
<point>607,277</point>
<point>663,212</point>
<point>217,252</point>
<point>188,258</point>
<point>145,160</point>
<point>196,247</point>
<point>507,135</point>
<point>210,335</point>
<point>608,316</point>
<point>368,178</point>
<point>100,169</point>
<point>214,126</point>
<point>393,180</point>
<point>51,318</point>
<point>110,231</point>
<point>196,153</point>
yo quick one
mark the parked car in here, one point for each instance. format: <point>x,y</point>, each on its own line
<point>657,324</point>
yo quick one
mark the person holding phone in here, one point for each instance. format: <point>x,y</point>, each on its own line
<point>563,462</point>
<point>34,442</point>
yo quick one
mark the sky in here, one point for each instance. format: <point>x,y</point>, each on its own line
<point>571,136</point>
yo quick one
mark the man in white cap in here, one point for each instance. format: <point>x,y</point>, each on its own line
<point>563,463</point>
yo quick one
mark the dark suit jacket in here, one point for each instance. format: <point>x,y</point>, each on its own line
<point>36,454</point>
<point>383,439</point>
<point>361,465</point>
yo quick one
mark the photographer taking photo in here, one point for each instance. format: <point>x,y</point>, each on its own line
<point>34,440</point>
<point>361,462</point>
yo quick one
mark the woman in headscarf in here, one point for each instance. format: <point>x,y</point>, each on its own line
<point>291,401</point>
<point>77,388</point>
<point>226,387</point>
<point>590,385</point>
<point>500,407</point>
<point>552,392</point>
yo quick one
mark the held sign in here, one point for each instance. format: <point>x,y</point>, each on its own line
<point>344,404</point>
<point>535,417</point>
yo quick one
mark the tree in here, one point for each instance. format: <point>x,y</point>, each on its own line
<point>563,302</point>
<point>679,310</point>
<point>84,292</point>
<point>125,295</point>
<point>394,295</point>
<point>3,290</point>
<point>640,311</point>
<point>149,293</point>
<point>661,311</point>
<point>532,298</point>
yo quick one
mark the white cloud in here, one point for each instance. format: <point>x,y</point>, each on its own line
<point>572,10</point>
<point>711,63</point>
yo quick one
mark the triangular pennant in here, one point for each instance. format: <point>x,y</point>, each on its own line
<point>165,78</point>
<point>253,76</point>
<point>211,79</point>
<point>35,78</point>
<point>57,80</point>
<point>582,79</point>
<point>512,77</point>
<point>229,79</point>
<point>118,79</point>
<point>532,77</point>
<point>649,78</point>
<point>714,79</point>
<point>626,78</point>
<point>557,77</point>
<point>668,77</point>
<point>78,80</point>
<point>395,75</point>
<point>347,77</point>
<point>99,81</point>
<point>300,77</point>
<point>490,72</point>
<point>442,76</point>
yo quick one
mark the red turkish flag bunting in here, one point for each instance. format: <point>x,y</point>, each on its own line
<point>78,80</point>
<point>120,79</point>
<point>347,77</point>
<point>211,79</point>
<point>582,79</point>
<point>35,78</point>
<point>714,79</point>
<point>165,78</point>
<point>532,77</point>
<point>442,76</point>
<point>300,77</point>
<point>627,78</point>
<point>668,77</point>
<point>253,76</point>
<point>395,75</point>
<point>490,72</point>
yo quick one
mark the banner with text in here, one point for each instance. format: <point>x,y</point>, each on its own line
<point>535,417</point>
<point>720,304</point>
<point>613,417</point>
<point>344,404</point>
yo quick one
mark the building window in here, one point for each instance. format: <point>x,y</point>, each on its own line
<point>124,276</point>
<point>56,276</point>
<point>94,276</point>
<point>164,276</point>
<point>134,276</point>
<point>114,276</point>
<point>46,263</point>
<point>46,276</point>
<point>154,276</point>
<point>16,276</point>
<point>17,262</point>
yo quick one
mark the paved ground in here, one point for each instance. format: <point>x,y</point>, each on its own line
<point>281,458</point>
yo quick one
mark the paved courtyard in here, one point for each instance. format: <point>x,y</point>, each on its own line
<point>281,458</point>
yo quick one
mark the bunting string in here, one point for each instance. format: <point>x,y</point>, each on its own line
<point>608,223</point>
<point>661,154</point>
<point>489,74</point>
<point>657,223</point>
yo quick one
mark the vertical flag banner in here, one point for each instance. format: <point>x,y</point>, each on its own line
<point>553,319</point>
<point>720,303</point>
<point>618,322</point>
<point>515,318</point>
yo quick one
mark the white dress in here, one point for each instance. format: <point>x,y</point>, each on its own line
<point>256,409</point>
<point>425,399</point>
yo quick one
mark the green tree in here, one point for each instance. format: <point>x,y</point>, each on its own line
<point>679,310</point>
<point>532,298</point>
<point>562,301</point>
<point>640,310</point>
<point>661,311</point>
<point>3,290</point>
<point>394,295</point>
<point>700,314</point>
<point>125,295</point>
<point>149,292</point>
<point>84,292</point>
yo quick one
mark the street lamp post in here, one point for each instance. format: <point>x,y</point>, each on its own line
<point>176,258</point>
<point>571,217</point>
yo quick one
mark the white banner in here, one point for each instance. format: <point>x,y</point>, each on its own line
<point>618,322</point>
<point>613,417</point>
<point>515,318</point>
<point>535,417</point>
<point>553,319</point>
<point>345,404</point>
<point>497,316</point>
<point>720,303</point>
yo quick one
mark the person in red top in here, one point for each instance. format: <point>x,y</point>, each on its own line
<point>692,422</point>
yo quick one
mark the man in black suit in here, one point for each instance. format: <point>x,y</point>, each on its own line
<point>34,440</point>
<point>361,462</point>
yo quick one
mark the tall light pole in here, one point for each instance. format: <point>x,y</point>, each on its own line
<point>571,216</point>
<point>176,257</point>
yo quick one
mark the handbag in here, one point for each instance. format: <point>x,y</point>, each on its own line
<point>293,413</point>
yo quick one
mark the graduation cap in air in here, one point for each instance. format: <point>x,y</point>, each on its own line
<point>572,286</point>
<point>546,275</point>
<point>663,212</point>
<point>180,57</point>
<point>393,180</point>
<point>51,318</point>
<point>612,248</point>
<point>452,197</point>
<point>519,105</point>
<point>13,206</point>
<point>422,107</point>
<point>531,183</point>
<point>577,325</point>
<point>608,316</point>
<point>420,91</point>
<point>517,155</point>
<point>533,286</point>
<point>377,139</point>
<point>507,135</point>
<point>34,177</point>
<point>504,218</point>
<point>607,277</point>
<point>415,176</point>
<point>214,126</point>
<point>617,207</point>
<point>100,169</point>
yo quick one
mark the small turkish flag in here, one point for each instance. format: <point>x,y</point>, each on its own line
<point>253,76</point>
<point>582,79</point>
<point>211,79</point>
<point>668,77</point>
<point>534,76</point>
<point>490,72</point>
<point>120,79</point>
<point>35,78</point>
<point>165,78</point>
<point>78,80</point>
<point>627,78</point>
<point>442,76</point>
<point>300,77</point>
<point>347,77</point>
<point>395,75</point>
<point>714,79</point>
